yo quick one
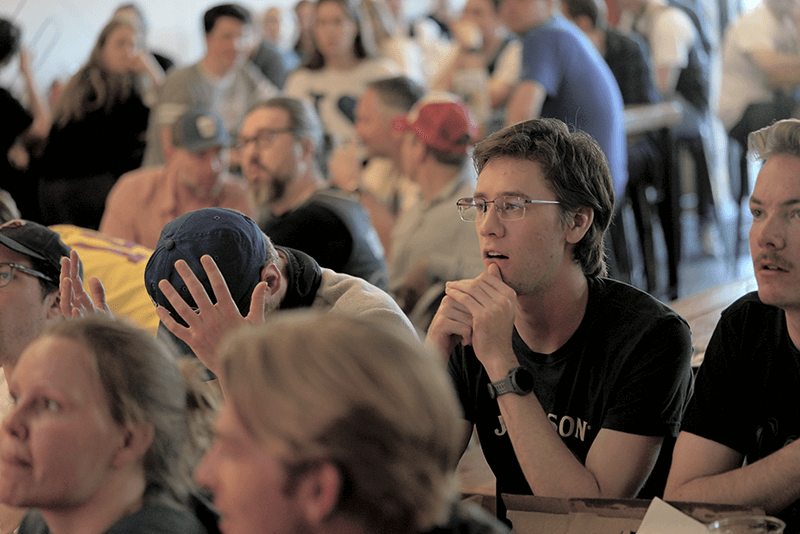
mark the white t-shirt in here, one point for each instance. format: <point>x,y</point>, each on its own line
<point>668,30</point>
<point>742,82</point>
<point>334,93</point>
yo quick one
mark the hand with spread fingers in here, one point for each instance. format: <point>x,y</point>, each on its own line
<point>208,324</point>
<point>74,300</point>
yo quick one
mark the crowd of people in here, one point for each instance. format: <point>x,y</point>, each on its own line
<point>281,289</point>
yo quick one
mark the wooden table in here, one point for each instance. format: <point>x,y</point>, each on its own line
<point>702,311</point>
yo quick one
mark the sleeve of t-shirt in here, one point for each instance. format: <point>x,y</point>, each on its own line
<point>509,65</point>
<point>297,84</point>
<point>717,406</point>
<point>654,384</point>
<point>118,216</point>
<point>538,65</point>
<point>672,38</point>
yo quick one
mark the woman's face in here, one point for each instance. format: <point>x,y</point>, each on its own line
<point>334,31</point>
<point>119,50</point>
<point>58,443</point>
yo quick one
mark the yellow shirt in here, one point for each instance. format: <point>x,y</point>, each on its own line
<point>119,264</point>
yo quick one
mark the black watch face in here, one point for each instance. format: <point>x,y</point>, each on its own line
<point>524,379</point>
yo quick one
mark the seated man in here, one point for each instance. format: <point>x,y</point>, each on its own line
<point>280,143</point>
<point>738,443</point>
<point>260,277</point>
<point>598,372</point>
<point>429,245</point>
<point>378,444</point>
<point>196,176</point>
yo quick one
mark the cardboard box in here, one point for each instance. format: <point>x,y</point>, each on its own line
<point>543,515</point>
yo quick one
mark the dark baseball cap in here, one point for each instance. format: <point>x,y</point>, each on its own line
<point>235,242</point>
<point>36,241</point>
<point>198,130</point>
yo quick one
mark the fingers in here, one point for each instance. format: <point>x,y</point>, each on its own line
<point>257,313</point>
<point>178,304</point>
<point>74,265</point>
<point>98,294</point>
<point>217,281</point>
<point>196,289</point>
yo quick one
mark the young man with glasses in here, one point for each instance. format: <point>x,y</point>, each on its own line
<point>573,380</point>
<point>30,266</point>
<point>280,144</point>
<point>196,176</point>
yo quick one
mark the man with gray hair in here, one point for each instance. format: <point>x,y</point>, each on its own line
<point>280,144</point>
<point>738,443</point>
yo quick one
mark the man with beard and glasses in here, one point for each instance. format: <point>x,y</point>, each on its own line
<point>280,143</point>
<point>738,442</point>
<point>144,200</point>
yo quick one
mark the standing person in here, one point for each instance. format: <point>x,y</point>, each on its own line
<point>342,65</point>
<point>564,77</point>
<point>144,200</point>
<point>498,51</point>
<point>377,450</point>
<point>572,380</point>
<point>98,439</point>
<point>23,130</point>
<point>281,142</point>
<point>223,81</point>
<point>738,443</point>
<point>98,130</point>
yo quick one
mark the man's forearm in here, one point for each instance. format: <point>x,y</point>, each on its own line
<point>772,483</point>
<point>550,468</point>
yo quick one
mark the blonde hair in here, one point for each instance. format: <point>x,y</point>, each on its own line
<point>94,87</point>
<point>372,402</point>
<point>783,137</point>
<point>144,385</point>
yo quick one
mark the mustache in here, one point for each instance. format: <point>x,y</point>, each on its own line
<point>776,259</point>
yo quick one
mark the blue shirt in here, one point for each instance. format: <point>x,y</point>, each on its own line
<point>581,90</point>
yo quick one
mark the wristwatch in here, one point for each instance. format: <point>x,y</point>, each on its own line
<point>519,381</point>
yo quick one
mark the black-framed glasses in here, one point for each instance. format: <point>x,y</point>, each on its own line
<point>7,273</point>
<point>508,208</point>
<point>263,138</point>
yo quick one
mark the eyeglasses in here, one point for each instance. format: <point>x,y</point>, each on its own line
<point>7,273</point>
<point>508,208</point>
<point>263,138</point>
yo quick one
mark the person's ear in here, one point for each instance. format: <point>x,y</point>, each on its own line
<point>318,493</point>
<point>579,224</point>
<point>276,285</point>
<point>134,442</point>
<point>53,303</point>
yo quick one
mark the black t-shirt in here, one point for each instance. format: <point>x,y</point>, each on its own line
<point>626,368</point>
<point>335,230</point>
<point>746,390</point>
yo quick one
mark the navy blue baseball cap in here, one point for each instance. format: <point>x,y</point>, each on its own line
<point>232,239</point>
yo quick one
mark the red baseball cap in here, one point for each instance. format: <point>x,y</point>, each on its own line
<point>444,126</point>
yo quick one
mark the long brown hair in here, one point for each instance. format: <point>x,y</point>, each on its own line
<point>94,87</point>
<point>364,44</point>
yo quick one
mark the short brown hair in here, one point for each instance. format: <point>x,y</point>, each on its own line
<point>574,167</point>
<point>374,403</point>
